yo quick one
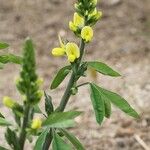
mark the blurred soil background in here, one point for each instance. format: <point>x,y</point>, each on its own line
<point>122,40</point>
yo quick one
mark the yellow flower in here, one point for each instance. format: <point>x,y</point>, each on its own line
<point>8,102</point>
<point>78,22</point>
<point>59,51</point>
<point>36,123</point>
<point>72,51</point>
<point>87,33</point>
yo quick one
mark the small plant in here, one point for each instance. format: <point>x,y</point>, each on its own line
<point>52,128</point>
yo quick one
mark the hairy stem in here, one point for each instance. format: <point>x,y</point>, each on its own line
<point>24,125</point>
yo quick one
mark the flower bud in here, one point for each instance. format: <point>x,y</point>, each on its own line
<point>98,15</point>
<point>36,123</point>
<point>87,33</point>
<point>8,102</point>
<point>39,81</point>
<point>58,51</point>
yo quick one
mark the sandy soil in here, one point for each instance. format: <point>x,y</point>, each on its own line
<point>122,39</point>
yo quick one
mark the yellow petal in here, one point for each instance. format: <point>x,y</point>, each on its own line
<point>36,123</point>
<point>78,21</point>
<point>71,58</point>
<point>72,49</point>
<point>87,33</point>
<point>58,51</point>
<point>72,26</point>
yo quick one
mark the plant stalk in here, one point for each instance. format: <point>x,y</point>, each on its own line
<point>71,82</point>
<point>67,94</point>
<point>24,125</point>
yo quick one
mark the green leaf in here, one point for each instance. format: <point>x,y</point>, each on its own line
<point>48,104</point>
<point>41,140</point>
<point>73,139</point>
<point>98,103</point>
<point>12,139</point>
<point>62,73</point>
<point>59,144</point>
<point>107,107</point>
<point>4,122</point>
<point>3,45</point>
<point>103,68</point>
<point>3,148</point>
<point>120,102</point>
<point>10,58</point>
<point>61,119</point>
<point>37,109</point>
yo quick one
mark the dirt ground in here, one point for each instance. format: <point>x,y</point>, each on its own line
<point>122,39</point>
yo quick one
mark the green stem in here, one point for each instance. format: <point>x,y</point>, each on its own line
<point>82,46</point>
<point>67,94</point>
<point>71,82</point>
<point>24,125</point>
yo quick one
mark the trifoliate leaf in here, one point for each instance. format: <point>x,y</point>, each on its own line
<point>119,101</point>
